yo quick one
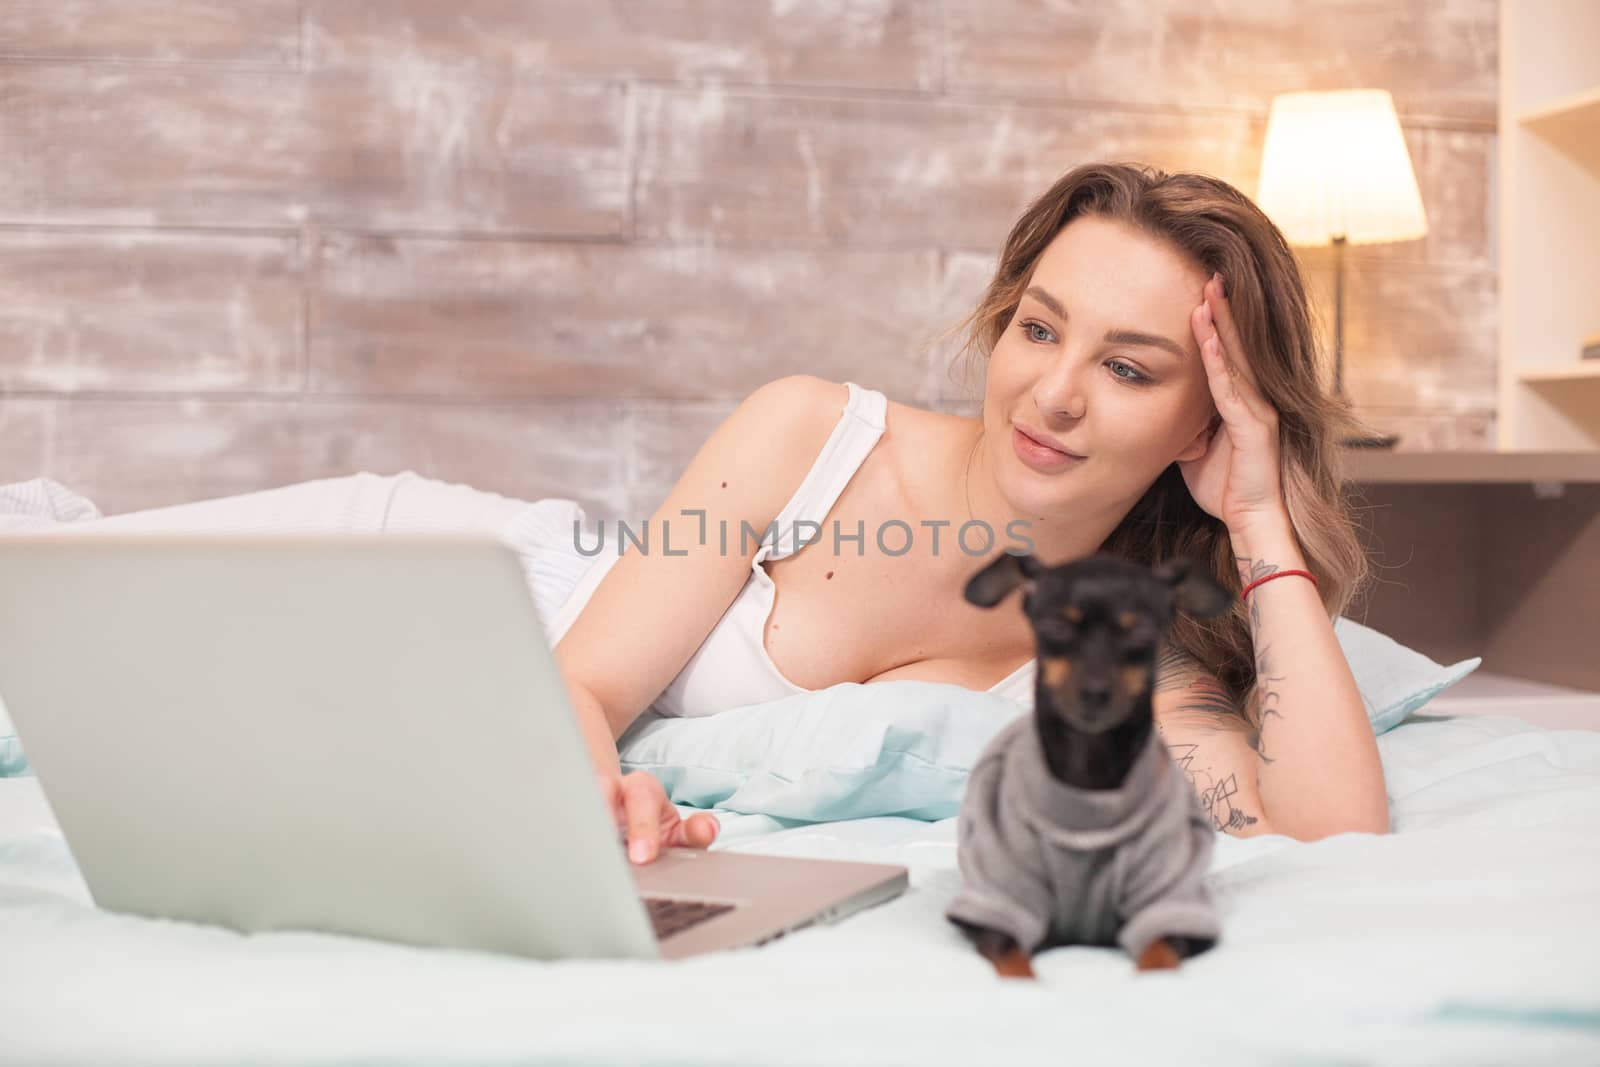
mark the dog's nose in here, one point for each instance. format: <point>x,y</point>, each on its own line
<point>1094,696</point>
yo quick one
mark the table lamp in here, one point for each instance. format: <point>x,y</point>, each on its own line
<point>1335,170</point>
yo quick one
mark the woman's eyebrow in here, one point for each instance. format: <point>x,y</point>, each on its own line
<point>1115,337</point>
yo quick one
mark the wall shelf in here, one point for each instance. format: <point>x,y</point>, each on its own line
<point>1482,467</point>
<point>1587,370</point>
<point>1572,125</point>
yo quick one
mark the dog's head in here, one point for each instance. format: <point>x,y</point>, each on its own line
<point>1097,625</point>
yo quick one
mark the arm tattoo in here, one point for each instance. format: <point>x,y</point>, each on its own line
<point>1204,696</point>
<point>1266,694</point>
<point>1206,708</point>
<point>1266,699</point>
<point>1215,797</point>
<point>1172,669</point>
<point>1249,571</point>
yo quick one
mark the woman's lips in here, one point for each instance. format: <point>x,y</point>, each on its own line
<point>1041,458</point>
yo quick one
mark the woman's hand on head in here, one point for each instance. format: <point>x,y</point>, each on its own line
<point>1237,479</point>
<point>651,822</point>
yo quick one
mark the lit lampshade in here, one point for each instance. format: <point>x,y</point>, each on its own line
<point>1335,170</point>
<point>1335,165</point>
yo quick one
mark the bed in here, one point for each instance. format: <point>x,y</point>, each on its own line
<point>1469,935</point>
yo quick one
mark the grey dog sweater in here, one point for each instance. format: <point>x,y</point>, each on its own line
<point>1049,863</point>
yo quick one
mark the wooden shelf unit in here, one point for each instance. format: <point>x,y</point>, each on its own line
<point>1549,215</point>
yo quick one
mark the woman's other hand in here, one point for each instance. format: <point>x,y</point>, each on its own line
<point>1237,480</point>
<point>639,805</point>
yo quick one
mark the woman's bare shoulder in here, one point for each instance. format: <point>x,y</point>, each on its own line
<point>802,393</point>
<point>917,442</point>
<point>795,414</point>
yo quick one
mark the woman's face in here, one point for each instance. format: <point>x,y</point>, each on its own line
<point>1085,361</point>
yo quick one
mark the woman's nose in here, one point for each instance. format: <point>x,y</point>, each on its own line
<point>1059,393</point>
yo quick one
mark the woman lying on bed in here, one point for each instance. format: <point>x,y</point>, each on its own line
<point>1150,334</point>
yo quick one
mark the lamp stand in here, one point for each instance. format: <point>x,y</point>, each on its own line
<point>1373,441</point>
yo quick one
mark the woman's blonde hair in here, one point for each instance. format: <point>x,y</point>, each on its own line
<point>1219,228</point>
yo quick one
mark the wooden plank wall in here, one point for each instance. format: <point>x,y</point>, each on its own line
<point>543,247</point>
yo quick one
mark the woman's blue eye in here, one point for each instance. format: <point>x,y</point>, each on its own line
<point>1034,331</point>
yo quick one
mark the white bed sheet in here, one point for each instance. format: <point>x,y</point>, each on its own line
<point>1470,935</point>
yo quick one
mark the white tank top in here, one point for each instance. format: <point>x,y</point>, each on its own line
<point>731,667</point>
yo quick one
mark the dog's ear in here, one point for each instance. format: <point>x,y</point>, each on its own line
<point>1194,592</point>
<point>1006,572</point>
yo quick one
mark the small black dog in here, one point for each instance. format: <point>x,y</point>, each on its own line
<point>1076,827</point>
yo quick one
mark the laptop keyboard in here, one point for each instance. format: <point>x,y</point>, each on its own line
<point>670,915</point>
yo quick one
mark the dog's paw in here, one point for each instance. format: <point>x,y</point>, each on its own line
<point>1166,952</point>
<point>1159,955</point>
<point>1013,964</point>
<point>1000,949</point>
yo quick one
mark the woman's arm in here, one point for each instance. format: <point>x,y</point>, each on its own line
<point>654,607</point>
<point>1311,769</point>
<point>1313,760</point>
<point>1318,768</point>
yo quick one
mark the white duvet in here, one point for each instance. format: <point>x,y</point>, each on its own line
<point>1470,935</point>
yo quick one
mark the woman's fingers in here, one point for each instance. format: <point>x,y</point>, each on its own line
<point>651,821</point>
<point>697,831</point>
<point>1224,386</point>
<point>1222,316</point>
<point>643,796</point>
<point>1223,390</point>
<point>1238,400</point>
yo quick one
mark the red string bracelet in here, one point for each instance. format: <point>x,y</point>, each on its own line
<point>1276,574</point>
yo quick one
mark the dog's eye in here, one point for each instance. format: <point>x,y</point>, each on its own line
<point>1138,651</point>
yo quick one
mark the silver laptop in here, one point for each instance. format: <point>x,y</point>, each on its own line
<point>364,734</point>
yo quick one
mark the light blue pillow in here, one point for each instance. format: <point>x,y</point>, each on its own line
<point>904,748</point>
<point>845,752</point>
<point>1394,680</point>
